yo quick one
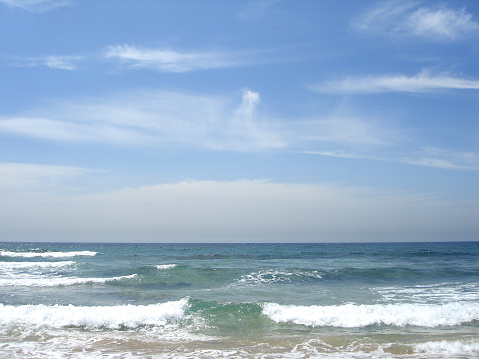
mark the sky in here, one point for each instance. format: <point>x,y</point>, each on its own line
<point>239,121</point>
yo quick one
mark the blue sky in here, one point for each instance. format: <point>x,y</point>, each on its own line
<point>239,120</point>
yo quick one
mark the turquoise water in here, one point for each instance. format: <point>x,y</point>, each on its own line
<point>388,300</point>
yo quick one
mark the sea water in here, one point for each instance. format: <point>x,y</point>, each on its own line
<point>381,300</point>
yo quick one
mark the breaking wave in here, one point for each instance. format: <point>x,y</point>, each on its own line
<point>165,266</point>
<point>47,254</point>
<point>432,293</point>
<point>269,276</point>
<point>29,265</point>
<point>352,315</point>
<point>446,347</point>
<point>111,317</point>
<point>47,281</point>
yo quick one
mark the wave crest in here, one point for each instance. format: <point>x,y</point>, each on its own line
<point>448,347</point>
<point>48,254</point>
<point>28,265</point>
<point>47,281</point>
<point>269,276</point>
<point>352,315</point>
<point>165,266</point>
<point>111,317</point>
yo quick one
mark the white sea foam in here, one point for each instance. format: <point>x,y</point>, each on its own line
<point>112,317</point>
<point>439,293</point>
<point>449,348</point>
<point>146,342</point>
<point>269,276</point>
<point>47,254</point>
<point>28,280</point>
<point>352,315</point>
<point>172,342</point>
<point>29,265</point>
<point>165,266</point>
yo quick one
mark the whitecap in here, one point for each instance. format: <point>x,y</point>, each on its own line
<point>28,265</point>
<point>352,315</point>
<point>269,276</point>
<point>112,317</point>
<point>48,281</point>
<point>446,347</point>
<point>165,266</point>
<point>47,254</point>
<point>440,293</point>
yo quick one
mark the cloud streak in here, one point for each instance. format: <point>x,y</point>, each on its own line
<point>37,5</point>
<point>163,60</point>
<point>424,156</point>
<point>410,19</point>
<point>440,158</point>
<point>420,83</point>
<point>167,60</point>
<point>71,63</point>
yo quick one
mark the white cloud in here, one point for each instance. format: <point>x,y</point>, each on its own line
<point>385,16</point>
<point>53,62</point>
<point>447,24</point>
<point>440,158</point>
<point>244,210</point>
<point>339,154</point>
<point>423,156</point>
<point>167,60</point>
<point>422,82</point>
<point>160,60</point>
<point>38,5</point>
<point>407,18</point>
<point>158,120</point>
<point>62,62</point>
<point>367,139</point>
<point>152,118</point>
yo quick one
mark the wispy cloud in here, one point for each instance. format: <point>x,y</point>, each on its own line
<point>257,9</point>
<point>409,18</point>
<point>153,118</point>
<point>345,130</point>
<point>423,156</point>
<point>53,62</point>
<point>441,24</point>
<point>340,154</point>
<point>167,60</point>
<point>159,120</point>
<point>167,119</point>
<point>38,5</point>
<point>350,136</point>
<point>154,59</point>
<point>425,81</point>
<point>440,158</point>
<point>62,62</point>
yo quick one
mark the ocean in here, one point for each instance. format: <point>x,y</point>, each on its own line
<point>367,300</point>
